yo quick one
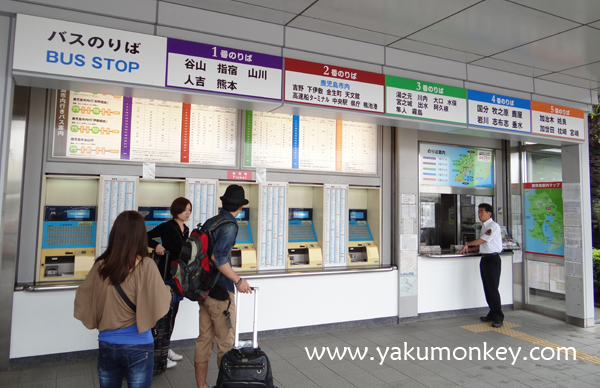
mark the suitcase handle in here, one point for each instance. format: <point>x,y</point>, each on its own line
<point>236,344</point>
<point>157,261</point>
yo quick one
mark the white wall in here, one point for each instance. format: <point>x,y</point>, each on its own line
<point>43,322</point>
<point>455,283</point>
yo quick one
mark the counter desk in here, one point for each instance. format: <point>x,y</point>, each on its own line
<point>450,281</point>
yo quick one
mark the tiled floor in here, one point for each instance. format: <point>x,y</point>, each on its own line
<point>293,369</point>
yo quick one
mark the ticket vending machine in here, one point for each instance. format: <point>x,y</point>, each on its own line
<point>155,197</point>
<point>364,220</point>
<point>305,226</point>
<point>362,250</point>
<point>303,247</point>
<point>243,253</point>
<point>154,216</point>
<point>68,242</point>
<point>66,247</point>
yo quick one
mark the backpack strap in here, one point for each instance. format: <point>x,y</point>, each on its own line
<point>125,298</point>
<point>213,228</point>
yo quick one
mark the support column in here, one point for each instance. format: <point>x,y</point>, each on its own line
<point>8,240</point>
<point>407,226</point>
<point>579,282</point>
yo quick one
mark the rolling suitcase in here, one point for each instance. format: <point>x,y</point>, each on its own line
<point>162,330</point>
<point>245,365</point>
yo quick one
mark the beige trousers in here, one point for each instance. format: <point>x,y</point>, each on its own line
<point>214,328</point>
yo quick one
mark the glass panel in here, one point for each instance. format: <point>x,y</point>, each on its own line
<point>438,220</point>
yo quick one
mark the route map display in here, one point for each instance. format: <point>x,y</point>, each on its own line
<point>544,233</point>
<point>456,166</point>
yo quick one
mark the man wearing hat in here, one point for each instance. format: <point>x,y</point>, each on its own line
<point>217,312</point>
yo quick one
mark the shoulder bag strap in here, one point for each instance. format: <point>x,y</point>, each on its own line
<point>127,301</point>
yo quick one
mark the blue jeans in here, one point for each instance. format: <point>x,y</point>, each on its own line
<point>134,360</point>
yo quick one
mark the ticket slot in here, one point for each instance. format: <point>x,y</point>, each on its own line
<point>63,266</point>
<point>63,263</point>
<point>358,254</point>
<point>298,256</point>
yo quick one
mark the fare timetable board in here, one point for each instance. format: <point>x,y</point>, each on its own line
<point>98,126</point>
<point>455,166</point>
<point>557,121</point>
<point>202,194</point>
<point>425,100</point>
<point>272,225</point>
<point>117,194</point>
<point>335,250</point>
<point>89,125</point>
<point>154,130</point>
<point>283,141</point>
<point>499,112</point>
<point>333,86</point>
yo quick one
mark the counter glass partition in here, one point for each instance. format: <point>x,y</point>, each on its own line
<point>448,220</point>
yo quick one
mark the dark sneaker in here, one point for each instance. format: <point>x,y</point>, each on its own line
<point>497,324</point>
<point>486,319</point>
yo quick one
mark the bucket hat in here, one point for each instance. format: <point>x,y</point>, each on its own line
<point>234,195</point>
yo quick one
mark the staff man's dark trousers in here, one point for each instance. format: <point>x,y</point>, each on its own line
<point>489,267</point>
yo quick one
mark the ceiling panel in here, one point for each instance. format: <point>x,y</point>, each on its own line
<point>344,31</point>
<point>581,11</point>
<point>595,25</point>
<point>572,81</point>
<point>393,17</point>
<point>435,51</point>
<point>484,28</point>
<point>235,8</point>
<point>590,71</point>
<point>510,67</point>
<point>559,52</point>
<point>292,6</point>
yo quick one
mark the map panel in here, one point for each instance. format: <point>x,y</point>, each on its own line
<point>544,233</point>
<point>456,166</point>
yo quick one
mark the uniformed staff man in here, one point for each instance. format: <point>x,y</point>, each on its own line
<point>490,246</point>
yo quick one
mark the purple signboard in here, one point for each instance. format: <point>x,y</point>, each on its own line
<point>126,128</point>
<point>208,68</point>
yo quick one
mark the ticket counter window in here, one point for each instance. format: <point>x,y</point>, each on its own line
<point>448,220</point>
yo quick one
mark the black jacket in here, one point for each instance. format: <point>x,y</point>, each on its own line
<point>172,239</point>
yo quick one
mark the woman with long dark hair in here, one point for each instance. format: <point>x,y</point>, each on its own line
<point>124,321</point>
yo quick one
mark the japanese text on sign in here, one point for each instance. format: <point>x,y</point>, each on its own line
<point>500,112</point>
<point>203,67</point>
<point>412,98</point>
<point>557,121</point>
<point>317,84</point>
